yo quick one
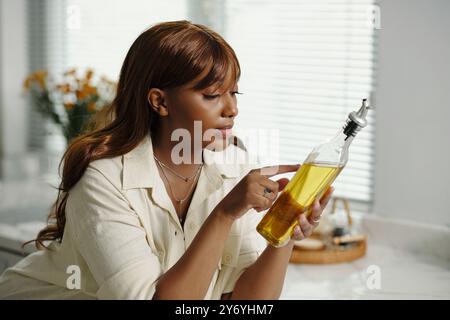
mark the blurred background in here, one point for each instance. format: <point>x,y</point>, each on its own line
<point>305,66</point>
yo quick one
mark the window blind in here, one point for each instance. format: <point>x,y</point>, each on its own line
<point>84,34</point>
<point>107,28</point>
<point>306,64</point>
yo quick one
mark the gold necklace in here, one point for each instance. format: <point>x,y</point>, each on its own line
<point>186,179</point>
<point>180,201</point>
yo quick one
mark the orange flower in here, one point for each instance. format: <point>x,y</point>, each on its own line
<point>41,74</point>
<point>88,90</point>
<point>26,84</point>
<point>64,88</point>
<point>40,77</point>
<point>70,72</point>
<point>41,83</point>
<point>81,94</point>
<point>69,105</point>
<point>91,107</point>
<point>89,74</point>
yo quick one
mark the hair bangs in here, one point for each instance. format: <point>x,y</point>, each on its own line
<point>222,67</point>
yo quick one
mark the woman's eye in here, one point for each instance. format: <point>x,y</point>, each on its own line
<point>215,96</point>
<point>211,96</point>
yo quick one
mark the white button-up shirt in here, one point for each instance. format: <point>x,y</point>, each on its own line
<point>122,232</point>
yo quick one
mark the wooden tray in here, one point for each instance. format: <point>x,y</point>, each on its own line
<point>329,255</point>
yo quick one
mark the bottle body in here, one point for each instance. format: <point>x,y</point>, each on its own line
<point>311,181</point>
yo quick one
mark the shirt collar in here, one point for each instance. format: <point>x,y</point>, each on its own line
<point>140,170</point>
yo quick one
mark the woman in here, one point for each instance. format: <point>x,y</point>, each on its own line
<point>134,218</point>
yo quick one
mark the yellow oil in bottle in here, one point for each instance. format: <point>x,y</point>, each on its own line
<point>311,181</point>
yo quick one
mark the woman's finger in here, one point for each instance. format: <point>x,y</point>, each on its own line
<point>263,202</point>
<point>298,234</point>
<point>269,184</point>
<point>274,170</point>
<point>305,225</point>
<point>316,213</point>
<point>326,198</point>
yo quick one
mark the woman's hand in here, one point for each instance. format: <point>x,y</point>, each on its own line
<point>255,190</point>
<point>306,226</point>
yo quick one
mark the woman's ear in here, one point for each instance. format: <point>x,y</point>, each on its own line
<point>156,99</point>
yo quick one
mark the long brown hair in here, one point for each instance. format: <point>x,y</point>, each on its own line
<point>167,55</point>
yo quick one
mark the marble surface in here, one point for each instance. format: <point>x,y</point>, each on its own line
<point>411,259</point>
<point>403,275</point>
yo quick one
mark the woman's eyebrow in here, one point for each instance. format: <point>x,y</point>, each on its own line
<point>221,88</point>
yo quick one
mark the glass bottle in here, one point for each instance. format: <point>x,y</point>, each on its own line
<point>311,181</point>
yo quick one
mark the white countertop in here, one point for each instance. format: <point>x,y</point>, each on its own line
<point>413,261</point>
<point>402,276</point>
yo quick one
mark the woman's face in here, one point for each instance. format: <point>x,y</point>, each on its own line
<point>215,107</point>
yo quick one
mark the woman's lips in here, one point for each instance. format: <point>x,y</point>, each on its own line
<point>226,132</point>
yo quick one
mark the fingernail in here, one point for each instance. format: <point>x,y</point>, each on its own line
<point>296,230</point>
<point>316,205</point>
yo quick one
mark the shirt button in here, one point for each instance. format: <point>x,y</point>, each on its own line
<point>227,258</point>
<point>176,232</point>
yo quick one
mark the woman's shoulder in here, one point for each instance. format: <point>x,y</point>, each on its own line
<point>103,173</point>
<point>98,191</point>
<point>110,168</point>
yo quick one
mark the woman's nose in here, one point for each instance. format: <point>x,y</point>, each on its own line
<point>230,109</point>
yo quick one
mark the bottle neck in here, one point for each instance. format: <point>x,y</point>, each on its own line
<point>350,128</point>
<point>348,133</point>
<point>342,139</point>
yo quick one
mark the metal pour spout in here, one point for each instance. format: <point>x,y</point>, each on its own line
<point>359,117</point>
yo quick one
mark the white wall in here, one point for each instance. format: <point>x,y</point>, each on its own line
<point>412,178</point>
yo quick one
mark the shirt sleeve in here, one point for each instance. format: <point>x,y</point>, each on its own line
<point>251,245</point>
<point>248,248</point>
<point>111,240</point>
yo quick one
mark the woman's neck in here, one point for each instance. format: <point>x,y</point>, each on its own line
<point>163,146</point>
